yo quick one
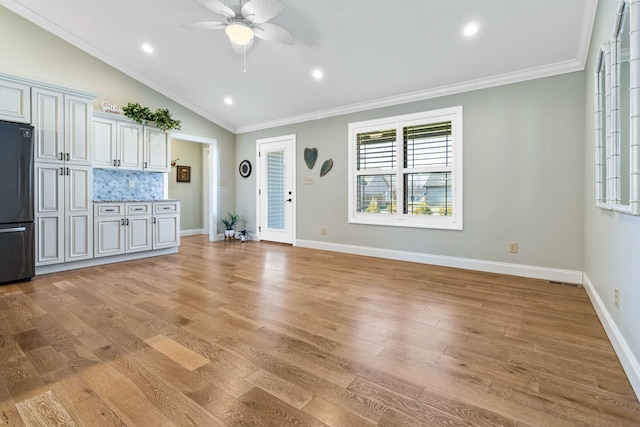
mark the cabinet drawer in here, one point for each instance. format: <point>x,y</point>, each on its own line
<point>108,209</point>
<point>138,209</point>
<point>166,208</point>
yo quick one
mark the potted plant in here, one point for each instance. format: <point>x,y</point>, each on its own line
<point>244,235</point>
<point>229,222</point>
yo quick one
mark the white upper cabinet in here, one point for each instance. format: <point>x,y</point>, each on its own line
<point>77,137</point>
<point>157,151</point>
<point>62,127</point>
<point>105,143</point>
<point>15,101</point>
<point>48,121</point>
<point>130,145</point>
<point>119,142</point>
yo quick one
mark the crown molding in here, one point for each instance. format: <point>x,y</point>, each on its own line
<point>484,83</point>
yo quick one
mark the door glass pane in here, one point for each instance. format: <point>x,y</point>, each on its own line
<point>275,190</point>
<point>428,194</point>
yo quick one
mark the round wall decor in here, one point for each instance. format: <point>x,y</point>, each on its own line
<point>245,168</point>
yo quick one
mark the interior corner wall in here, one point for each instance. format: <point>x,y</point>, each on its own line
<point>612,240</point>
<point>523,174</point>
<point>29,51</point>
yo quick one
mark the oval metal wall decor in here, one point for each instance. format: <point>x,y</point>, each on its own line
<point>310,157</point>
<point>245,168</point>
<point>326,167</point>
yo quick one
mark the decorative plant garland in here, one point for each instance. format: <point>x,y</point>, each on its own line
<point>143,115</point>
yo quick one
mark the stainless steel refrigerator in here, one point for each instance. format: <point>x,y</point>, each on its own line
<point>17,240</point>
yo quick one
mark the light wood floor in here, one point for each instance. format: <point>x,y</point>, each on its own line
<point>261,334</point>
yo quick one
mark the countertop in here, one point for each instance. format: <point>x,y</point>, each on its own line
<point>137,201</point>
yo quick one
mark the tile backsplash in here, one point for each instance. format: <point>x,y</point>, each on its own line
<point>116,184</point>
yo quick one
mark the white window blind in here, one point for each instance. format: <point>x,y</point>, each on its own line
<point>407,170</point>
<point>275,190</point>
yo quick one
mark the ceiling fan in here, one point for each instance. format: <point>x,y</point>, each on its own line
<point>245,21</point>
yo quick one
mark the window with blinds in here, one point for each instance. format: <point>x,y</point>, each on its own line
<point>407,170</point>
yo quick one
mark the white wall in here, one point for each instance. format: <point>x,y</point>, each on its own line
<point>612,240</point>
<point>523,173</point>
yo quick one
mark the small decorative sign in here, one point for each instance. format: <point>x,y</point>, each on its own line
<point>183,174</point>
<point>110,108</point>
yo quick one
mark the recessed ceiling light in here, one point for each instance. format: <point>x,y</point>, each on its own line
<point>228,101</point>
<point>470,30</point>
<point>147,48</point>
<point>317,74</point>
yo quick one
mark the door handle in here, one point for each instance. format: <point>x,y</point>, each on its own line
<point>67,171</point>
<point>61,171</point>
<point>122,221</point>
<point>118,162</point>
<point>288,200</point>
<point>127,221</point>
<point>154,219</point>
<point>114,162</point>
<point>145,165</point>
<point>61,156</point>
<point>68,157</point>
<point>13,230</point>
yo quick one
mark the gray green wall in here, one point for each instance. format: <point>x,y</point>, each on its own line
<point>28,51</point>
<point>523,174</point>
<point>612,240</point>
<point>190,193</point>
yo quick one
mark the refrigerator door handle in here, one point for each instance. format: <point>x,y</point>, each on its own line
<point>13,230</point>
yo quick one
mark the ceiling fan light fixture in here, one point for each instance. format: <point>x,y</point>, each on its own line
<point>239,33</point>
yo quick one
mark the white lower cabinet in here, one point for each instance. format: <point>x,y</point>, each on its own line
<point>122,228</point>
<point>63,213</point>
<point>166,224</point>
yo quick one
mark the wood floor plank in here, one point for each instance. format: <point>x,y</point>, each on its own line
<point>45,410</point>
<point>262,334</point>
<point>177,352</point>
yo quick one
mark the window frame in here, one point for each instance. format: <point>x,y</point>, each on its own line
<point>399,219</point>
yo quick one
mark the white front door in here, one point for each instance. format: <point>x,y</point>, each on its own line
<point>276,189</point>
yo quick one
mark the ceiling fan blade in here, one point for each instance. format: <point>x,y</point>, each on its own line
<point>216,6</point>
<point>260,11</point>
<point>273,33</point>
<point>208,25</point>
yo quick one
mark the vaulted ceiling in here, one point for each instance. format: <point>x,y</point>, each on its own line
<point>372,52</point>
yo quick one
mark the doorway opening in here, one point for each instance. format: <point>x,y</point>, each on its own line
<point>199,195</point>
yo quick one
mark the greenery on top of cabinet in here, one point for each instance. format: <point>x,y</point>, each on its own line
<point>161,118</point>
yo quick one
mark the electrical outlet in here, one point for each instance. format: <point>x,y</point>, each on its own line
<point>617,298</point>
<point>513,247</point>
<point>131,183</point>
<point>324,231</point>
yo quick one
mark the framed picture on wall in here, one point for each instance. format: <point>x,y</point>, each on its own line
<point>183,174</point>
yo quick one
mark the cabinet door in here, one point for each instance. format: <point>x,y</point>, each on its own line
<point>15,102</point>
<point>77,117</point>
<point>49,215</point>
<point>104,143</point>
<point>157,151</point>
<point>138,233</point>
<point>130,146</point>
<point>48,121</point>
<point>166,231</point>
<point>78,213</point>
<point>109,236</point>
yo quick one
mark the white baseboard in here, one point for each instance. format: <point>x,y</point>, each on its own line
<point>554,274</point>
<point>628,360</point>
<point>194,232</point>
